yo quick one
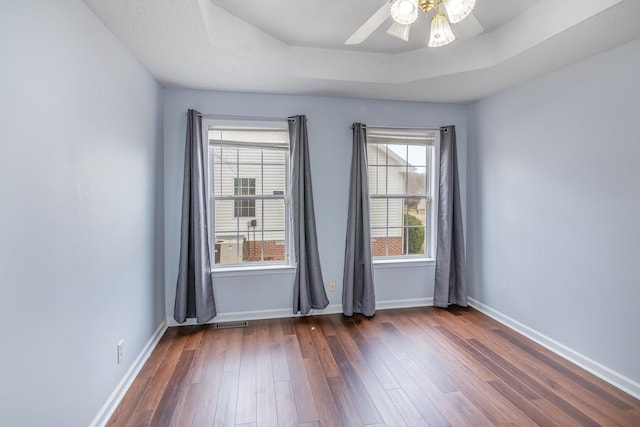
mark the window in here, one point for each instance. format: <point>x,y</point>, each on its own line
<point>248,185</point>
<point>243,207</point>
<point>402,180</point>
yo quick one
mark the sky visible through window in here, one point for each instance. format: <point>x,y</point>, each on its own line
<point>416,157</point>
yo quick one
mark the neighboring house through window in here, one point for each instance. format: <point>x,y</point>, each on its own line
<point>248,187</point>
<point>244,187</point>
<point>402,180</point>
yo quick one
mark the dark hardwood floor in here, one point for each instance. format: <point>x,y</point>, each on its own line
<point>419,366</point>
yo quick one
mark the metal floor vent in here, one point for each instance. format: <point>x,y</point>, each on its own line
<point>227,325</point>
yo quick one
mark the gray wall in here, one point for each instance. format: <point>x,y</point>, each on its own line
<point>330,138</point>
<point>554,205</point>
<point>81,234</point>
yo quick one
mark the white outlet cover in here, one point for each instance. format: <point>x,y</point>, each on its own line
<point>120,351</point>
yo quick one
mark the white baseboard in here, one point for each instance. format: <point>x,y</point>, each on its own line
<point>286,312</point>
<point>277,313</point>
<point>612,377</point>
<point>121,389</point>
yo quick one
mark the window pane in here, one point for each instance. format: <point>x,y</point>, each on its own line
<point>429,229</point>
<point>397,154</point>
<point>224,154</point>
<point>378,217</point>
<point>227,241</point>
<point>414,226</point>
<point>394,241</point>
<point>376,154</point>
<point>378,245</point>
<point>228,250</point>
<point>395,212</point>
<point>274,219</point>
<point>396,182</point>
<point>377,180</point>
<point>242,240</point>
<point>274,180</point>
<point>249,156</point>
<point>395,222</point>
<point>252,249</point>
<point>414,237</point>
<point>397,177</point>
<point>224,170</point>
<point>417,155</point>
<point>223,216</point>
<point>378,209</point>
<point>275,157</point>
<point>416,183</point>
<point>265,240</point>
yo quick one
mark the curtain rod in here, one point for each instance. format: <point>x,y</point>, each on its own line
<point>404,128</point>
<point>262,119</point>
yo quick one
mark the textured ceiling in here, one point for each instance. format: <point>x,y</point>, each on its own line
<point>293,46</point>
<point>333,21</point>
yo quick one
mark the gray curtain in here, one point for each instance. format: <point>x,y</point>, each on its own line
<point>194,290</point>
<point>308,287</point>
<point>450,287</point>
<point>358,293</point>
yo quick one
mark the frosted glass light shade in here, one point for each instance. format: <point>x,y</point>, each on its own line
<point>404,12</point>
<point>399,31</point>
<point>457,10</point>
<point>441,33</point>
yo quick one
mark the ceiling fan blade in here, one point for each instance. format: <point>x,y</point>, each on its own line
<point>467,28</point>
<point>370,25</point>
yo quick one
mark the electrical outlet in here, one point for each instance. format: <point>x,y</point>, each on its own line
<point>120,349</point>
<point>332,286</point>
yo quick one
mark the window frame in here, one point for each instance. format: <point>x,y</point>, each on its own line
<point>431,192</point>
<point>252,266</point>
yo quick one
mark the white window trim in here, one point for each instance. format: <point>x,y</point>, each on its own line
<point>399,262</point>
<point>393,261</point>
<point>254,268</point>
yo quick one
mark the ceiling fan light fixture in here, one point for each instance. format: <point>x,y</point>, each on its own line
<point>399,31</point>
<point>457,10</point>
<point>404,12</point>
<point>441,33</point>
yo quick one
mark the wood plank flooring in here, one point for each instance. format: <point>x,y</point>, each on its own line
<point>409,367</point>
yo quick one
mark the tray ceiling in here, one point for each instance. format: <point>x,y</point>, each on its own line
<point>296,47</point>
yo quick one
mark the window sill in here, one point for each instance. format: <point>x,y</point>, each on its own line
<point>258,270</point>
<point>403,263</point>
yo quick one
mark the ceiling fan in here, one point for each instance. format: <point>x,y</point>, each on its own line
<point>405,13</point>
